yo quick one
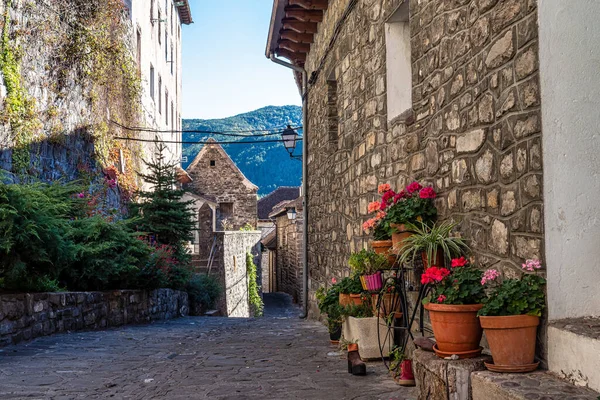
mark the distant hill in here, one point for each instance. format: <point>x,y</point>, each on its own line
<point>267,165</point>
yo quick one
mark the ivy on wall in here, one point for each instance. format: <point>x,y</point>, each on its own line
<point>256,303</point>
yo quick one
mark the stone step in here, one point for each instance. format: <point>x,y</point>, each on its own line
<point>574,350</point>
<point>540,385</point>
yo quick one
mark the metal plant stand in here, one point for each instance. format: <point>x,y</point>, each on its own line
<point>398,304</point>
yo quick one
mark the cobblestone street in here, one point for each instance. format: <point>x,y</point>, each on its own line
<point>275,357</point>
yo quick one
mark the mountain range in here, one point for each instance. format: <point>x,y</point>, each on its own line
<point>267,165</point>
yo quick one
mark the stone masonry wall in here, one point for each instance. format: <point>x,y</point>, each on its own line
<point>233,272</point>
<point>27,316</point>
<point>289,255</point>
<point>474,132</point>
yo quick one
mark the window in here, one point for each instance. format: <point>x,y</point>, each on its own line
<point>166,46</point>
<point>172,61</point>
<point>138,55</point>
<point>159,27</point>
<point>213,163</point>
<point>226,210</point>
<point>152,12</point>
<point>333,127</point>
<point>398,61</point>
<point>166,107</point>
<point>171,18</point>
<point>172,116</point>
<point>152,81</point>
<point>159,94</point>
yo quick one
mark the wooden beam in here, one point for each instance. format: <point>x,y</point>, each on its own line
<point>311,4</point>
<point>295,47</point>
<point>298,26</point>
<point>296,57</point>
<point>304,15</point>
<point>296,37</point>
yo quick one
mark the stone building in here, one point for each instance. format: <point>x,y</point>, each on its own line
<point>157,41</point>
<point>268,202</point>
<point>215,177</point>
<point>452,93</point>
<point>284,246</point>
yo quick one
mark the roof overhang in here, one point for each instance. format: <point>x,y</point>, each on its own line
<point>185,12</point>
<point>182,176</point>
<point>292,29</point>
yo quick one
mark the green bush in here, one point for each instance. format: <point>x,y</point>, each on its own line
<point>203,291</point>
<point>34,223</point>
<point>108,255</point>
<point>256,303</point>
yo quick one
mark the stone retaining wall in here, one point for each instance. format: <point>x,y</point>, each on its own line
<point>27,316</point>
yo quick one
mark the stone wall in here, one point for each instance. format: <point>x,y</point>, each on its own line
<point>27,316</point>
<point>233,272</point>
<point>289,255</point>
<point>473,131</point>
<point>61,128</point>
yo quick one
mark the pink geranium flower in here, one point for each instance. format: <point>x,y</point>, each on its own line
<point>489,275</point>
<point>532,265</point>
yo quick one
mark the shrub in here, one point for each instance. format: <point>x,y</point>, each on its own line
<point>108,255</point>
<point>203,291</point>
<point>256,303</point>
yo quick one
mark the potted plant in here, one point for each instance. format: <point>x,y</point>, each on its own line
<point>367,264</point>
<point>510,317</point>
<point>328,303</point>
<point>361,327</point>
<point>455,298</point>
<point>386,304</point>
<point>433,243</point>
<point>350,289</point>
<point>379,225</point>
<point>411,205</point>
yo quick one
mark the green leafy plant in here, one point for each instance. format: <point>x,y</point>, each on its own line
<point>525,296</point>
<point>396,357</point>
<point>364,310</point>
<point>350,285</point>
<point>460,285</point>
<point>203,291</point>
<point>429,239</point>
<point>367,262</point>
<point>256,303</point>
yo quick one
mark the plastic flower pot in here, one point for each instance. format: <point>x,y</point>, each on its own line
<point>398,236</point>
<point>376,281</point>
<point>344,299</point>
<point>456,329</point>
<point>363,282</point>
<point>384,247</point>
<point>512,341</point>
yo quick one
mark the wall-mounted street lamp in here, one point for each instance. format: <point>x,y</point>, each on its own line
<point>290,137</point>
<point>291,213</point>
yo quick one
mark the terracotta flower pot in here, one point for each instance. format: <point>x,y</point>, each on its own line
<point>398,236</point>
<point>356,299</point>
<point>511,338</point>
<point>389,305</point>
<point>438,259</point>
<point>384,247</point>
<point>456,329</point>
<point>344,299</point>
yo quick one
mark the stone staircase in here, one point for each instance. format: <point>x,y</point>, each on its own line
<point>200,265</point>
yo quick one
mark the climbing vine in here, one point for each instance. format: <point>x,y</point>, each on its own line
<point>256,303</point>
<point>19,108</point>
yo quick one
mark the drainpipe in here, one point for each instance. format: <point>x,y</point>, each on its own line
<point>304,179</point>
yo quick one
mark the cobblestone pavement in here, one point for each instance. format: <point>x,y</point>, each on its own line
<point>275,357</point>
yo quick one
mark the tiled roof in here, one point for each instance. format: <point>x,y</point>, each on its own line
<point>267,203</point>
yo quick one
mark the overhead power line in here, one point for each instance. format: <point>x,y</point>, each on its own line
<point>206,142</point>
<point>272,131</point>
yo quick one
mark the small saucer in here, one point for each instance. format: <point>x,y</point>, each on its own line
<point>460,354</point>
<point>512,368</point>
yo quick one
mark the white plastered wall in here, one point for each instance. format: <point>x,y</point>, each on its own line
<point>569,35</point>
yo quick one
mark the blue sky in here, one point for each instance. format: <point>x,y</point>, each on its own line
<point>225,71</point>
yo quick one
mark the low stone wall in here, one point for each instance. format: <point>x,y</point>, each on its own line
<point>27,316</point>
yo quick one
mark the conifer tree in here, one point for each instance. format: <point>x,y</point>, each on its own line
<point>161,210</point>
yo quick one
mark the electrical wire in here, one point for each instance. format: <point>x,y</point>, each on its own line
<point>272,131</point>
<point>206,142</point>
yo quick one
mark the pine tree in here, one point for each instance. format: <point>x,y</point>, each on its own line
<point>161,210</point>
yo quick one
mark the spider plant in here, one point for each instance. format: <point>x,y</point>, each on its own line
<point>429,239</point>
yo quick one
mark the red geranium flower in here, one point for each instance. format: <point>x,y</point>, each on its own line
<point>434,274</point>
<point>459,262</point>
<point>413,187</point>
<point>427,193</point>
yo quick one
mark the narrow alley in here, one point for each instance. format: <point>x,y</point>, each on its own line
<point>276,357</point>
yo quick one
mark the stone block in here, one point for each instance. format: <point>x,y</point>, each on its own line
<point>439,379</point>
<point>488,385</point>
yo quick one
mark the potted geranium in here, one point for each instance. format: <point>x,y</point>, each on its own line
<point>434,244</point>
<point>379,225</point>
<point>455,298</point>
<point>411,205</point>
<point>510,317</point>
<point>367,264</point>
